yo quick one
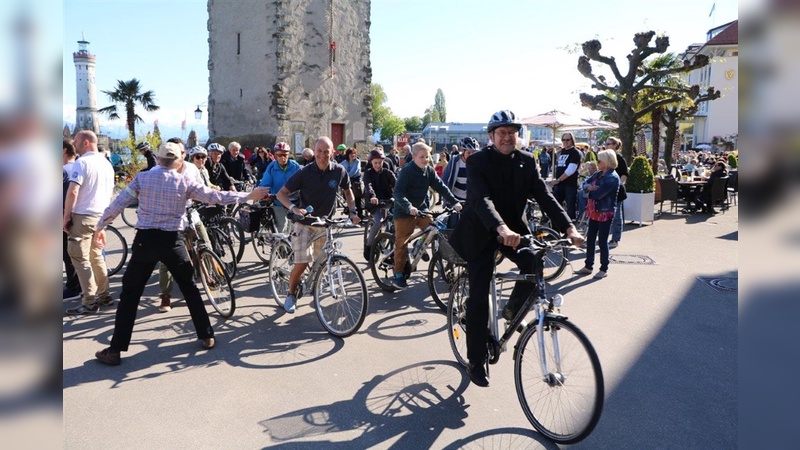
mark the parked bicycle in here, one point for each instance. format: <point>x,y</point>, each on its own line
<point>209,270</point>
<point>557,373</point>
<point>334,280</point>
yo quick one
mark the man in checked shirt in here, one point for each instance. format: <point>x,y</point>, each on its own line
<point>162,194</point>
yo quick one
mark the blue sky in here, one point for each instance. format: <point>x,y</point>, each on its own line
<point>484,55</point>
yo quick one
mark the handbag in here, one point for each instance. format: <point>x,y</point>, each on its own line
<point>621,194</point>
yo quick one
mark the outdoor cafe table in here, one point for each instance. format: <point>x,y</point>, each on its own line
<point>686,189</point>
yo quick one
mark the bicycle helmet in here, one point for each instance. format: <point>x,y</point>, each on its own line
<point>504,118</point>
<point>375,154</point>
<point>198,150</point>
<point>281,147</point>
<point>469,143</point>
<point>143,146</point>
<point>341,147</point>
<point>216,148</point>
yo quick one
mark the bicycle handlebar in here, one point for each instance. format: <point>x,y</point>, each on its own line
<point>528,241</point>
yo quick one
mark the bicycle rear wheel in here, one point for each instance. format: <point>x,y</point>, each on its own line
<point>130,215</point>
<point>235,233</point>
<point>280,266</point>
<point>564,404</point>
<point>457,318</point>
<point>441,276</point>
<point>556,259</point>
<point>340,297</point>
<point>222,247</point>
<point>116,250</point>
<point>216,283</point>
<point>382,261</point>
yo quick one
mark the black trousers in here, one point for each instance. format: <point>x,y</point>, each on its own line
<point>480,275</point>
<point>150,247</point>
<point>72,282</point>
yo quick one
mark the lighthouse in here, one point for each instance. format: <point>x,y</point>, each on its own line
<point>86,98</point>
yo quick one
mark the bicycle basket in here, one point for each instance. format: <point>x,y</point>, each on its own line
<point>447,251</point>
<point>250,218</point>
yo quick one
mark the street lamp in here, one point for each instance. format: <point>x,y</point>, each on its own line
<point>198,113</point>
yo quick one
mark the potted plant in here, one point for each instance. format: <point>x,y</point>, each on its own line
<point>641,187</point>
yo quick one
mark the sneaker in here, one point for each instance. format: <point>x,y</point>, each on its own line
<point>584,271</point>
<point>106,301</point>
<point>109,357</point>
<point>600,274</point>
<point>289,304</point>
<point>82,310</point>
<point>400,281</point>
<point>70,294</point>
<point>165,303</point>
<point>209,343</point>
<point>613,244</point>
<point>477,374</point>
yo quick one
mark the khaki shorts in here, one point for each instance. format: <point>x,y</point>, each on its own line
<point>302,237</point>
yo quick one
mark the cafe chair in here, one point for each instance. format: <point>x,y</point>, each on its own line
<point>733,188</point>
<point>719,194</point>
<point>669,191</point>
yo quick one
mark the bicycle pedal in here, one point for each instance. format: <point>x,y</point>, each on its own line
<point>426,257</point>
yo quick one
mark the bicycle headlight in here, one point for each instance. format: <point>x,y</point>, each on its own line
<point>558,300</point>
<point>338,245</point>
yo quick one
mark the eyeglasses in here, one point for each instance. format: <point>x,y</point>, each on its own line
<point>566,140</point>
<point>279,154</point>
<point>199,156</point>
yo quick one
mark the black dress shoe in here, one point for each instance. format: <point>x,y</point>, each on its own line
<point>108,356</point>
<point>477,374</point>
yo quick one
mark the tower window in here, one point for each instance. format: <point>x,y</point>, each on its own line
<point>240,93</point>
<point>238,43</point>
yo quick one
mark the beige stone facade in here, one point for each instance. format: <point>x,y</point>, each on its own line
<point>289,70</point>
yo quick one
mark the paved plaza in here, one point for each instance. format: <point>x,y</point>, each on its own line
<point>664,323</point>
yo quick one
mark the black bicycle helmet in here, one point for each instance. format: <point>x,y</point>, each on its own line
<point>504,118</point>
<point>143,146</point>
<point>469,143</point>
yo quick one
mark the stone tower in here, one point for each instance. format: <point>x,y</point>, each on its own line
<point>289,70</point>
<point>86,98</point>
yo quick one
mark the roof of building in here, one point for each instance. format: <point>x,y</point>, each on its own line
<point>728,36</point>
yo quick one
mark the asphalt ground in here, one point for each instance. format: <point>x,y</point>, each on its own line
<point>667,342</point>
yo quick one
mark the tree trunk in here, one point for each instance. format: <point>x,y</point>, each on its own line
<point>627,126</point>
<point>655,125</point>
<point>130,117</point>
<point>670,132</point>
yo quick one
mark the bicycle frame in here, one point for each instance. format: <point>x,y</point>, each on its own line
<point>321,260</point>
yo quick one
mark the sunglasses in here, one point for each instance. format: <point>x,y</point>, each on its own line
<point>199,157</point>
<point>281,154</point>
<point>566,140</point>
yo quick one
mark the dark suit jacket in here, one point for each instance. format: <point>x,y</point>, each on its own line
<point>485,185</point>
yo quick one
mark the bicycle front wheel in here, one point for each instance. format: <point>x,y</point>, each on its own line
<point>280,267</point>
<point>130,215</point>
<point>382,261</point>
<point>216,283</point>
<point>457,318</point>
<point>441,276</point>
<point>116,250</point>
<point>223,248</point>
<point>565,403</point>
<point>340,297</point>
<point>556,259</point>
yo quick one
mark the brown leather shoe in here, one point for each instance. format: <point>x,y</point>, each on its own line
<point>165,303</point>
<point>209,343</point>
<point>107,356</point>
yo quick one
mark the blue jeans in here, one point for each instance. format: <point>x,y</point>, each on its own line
<point>616,224</point>
<point>567,194</point>
<point>597,233</point>
<point>583,196</point>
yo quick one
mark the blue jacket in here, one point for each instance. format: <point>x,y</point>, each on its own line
<point>275,177</point>
<point>605,197</point>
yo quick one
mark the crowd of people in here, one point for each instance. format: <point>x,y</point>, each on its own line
<point>488,185</point>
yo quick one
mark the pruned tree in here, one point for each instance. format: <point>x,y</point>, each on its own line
<point>619,100</point>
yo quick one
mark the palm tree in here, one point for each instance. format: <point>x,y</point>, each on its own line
<point>128,93</point>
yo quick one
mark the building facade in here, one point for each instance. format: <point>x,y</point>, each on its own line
<point>86,94</point>
<point>718,118</point>
<point>289,70</point>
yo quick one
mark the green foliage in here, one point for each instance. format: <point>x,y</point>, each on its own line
<point>640,176</point>
<point>733,161</point>
<point>392,127</point>
<point>590,156</point>
<point>439,106</point>
<point>431,116</point>
<point>413,124</point>
<point>380,112</point>
<point>128,94</point>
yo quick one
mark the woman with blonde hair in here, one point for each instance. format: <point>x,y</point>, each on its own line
<point>601,189</point>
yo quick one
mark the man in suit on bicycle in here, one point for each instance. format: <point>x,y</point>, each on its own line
<point>501,179</point>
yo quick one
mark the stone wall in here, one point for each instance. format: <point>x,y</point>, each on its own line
<point>272,76</point>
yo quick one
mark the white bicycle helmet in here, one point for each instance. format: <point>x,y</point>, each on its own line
<point>216,148</point>
<point>198,150</point>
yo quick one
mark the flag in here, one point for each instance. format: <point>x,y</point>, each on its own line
<point>183,125</point>
<point>155,124</point>
<point>712,9</point>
